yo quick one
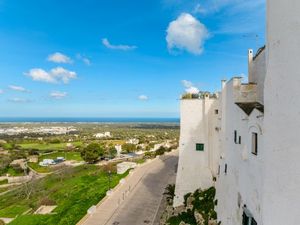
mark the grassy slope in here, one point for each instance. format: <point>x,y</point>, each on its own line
<point>43,147</point>
<point>81,188</point>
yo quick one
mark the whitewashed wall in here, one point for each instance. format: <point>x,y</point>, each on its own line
<point>243,168</point>
<point>281,175</point>
<point>194,167</point>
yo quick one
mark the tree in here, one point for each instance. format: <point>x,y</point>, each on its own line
<point>170,192</point>
<point>129,147</point>
<point>92,152</point>
<point>112,152</point>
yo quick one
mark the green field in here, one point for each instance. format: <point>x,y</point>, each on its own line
<point>40,169</point>
<point>74,191</point>
<point>48,146</point>
<point>67,155</point>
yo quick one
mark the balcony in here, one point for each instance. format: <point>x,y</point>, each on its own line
<point>245,96</point>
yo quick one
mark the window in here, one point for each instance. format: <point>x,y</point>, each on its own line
<point>225,171</point>
<point>254,143</point>
<point>199,147</point>
<point>248,219</point>
<point>253,222</point>
<point>240,140</point>
<point>219,168</point>
<point>216,111</point>
<point>235,136</point>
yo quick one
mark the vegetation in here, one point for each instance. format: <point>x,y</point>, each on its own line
<point>203,202</point>
<point>49,146</point>
<point>74,190</point>
<point>67,155</point>
<point>92,152</point>
<point>3,181</point>
<point>127,148</point>
<point>170,193</point>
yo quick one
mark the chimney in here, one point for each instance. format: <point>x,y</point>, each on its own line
<point>250,60</point>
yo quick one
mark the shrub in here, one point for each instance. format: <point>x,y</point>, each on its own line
<point>47,201</point>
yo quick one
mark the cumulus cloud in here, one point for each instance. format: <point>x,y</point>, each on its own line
<point>189,87</point>
<point>55,75</point>
<point>107,44</point>
<point>18,88</point>
<point>19,100</point>
<point>58,57</point>
<point>187,33</point>
<point>58,94</point>
<point>84,59</point>
<point>143,97</point>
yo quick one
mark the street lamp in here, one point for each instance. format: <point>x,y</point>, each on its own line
<point>109,179</point>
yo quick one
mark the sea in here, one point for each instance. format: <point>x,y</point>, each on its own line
<point>86,120</point>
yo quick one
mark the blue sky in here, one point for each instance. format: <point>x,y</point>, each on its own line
<point>97,58</point>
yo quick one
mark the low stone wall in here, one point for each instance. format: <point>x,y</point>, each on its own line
<point>20,179</point>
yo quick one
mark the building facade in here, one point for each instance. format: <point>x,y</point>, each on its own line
<point>250,148</point>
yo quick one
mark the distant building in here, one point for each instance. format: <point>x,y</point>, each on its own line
<point>119,150</point>
<point>33,158</point>
<point>102,135</point>
<point>134,141</point>
<point>19,163</point>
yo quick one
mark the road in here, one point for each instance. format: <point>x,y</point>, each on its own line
<point>137,201</point>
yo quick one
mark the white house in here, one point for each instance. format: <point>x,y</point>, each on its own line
<point>245,141</point>
<point>102,135</point>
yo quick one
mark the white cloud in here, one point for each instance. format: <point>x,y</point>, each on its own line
<point>1,91</point>
<point>107,44</point>
<point>58,94</point>
<point>58,57</point>
<point>62,74</point>
<point>143,97</point>
<point>199,9</point>
<point>187,33</point>
<point>189,87</point>
<point>55,75</point>
<point>84,59</point>
<point>192,90</point>
<point>18,88</point>
<point>186,83</point>
<point>19,100</point>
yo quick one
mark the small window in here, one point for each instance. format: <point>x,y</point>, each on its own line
<point>199,147</point>
<point>225,171</point>
<point>219,168</point>
<point>216,111</point>
<point>235,136</point>
<point>248,218</point>
<point>253,222</point>
<point>254,143</point>
<point>240,140</point>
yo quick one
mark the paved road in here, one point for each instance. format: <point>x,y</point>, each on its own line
<point>137,201</point>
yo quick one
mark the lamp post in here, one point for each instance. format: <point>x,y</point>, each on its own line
<point>109,179</point>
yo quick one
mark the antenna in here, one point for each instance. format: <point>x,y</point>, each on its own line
<point>253,36</point>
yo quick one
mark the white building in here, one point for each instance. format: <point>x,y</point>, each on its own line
<point>102,135</point>
<point>119,150</point>
<point>134,141</point>
<point>250,149</point>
